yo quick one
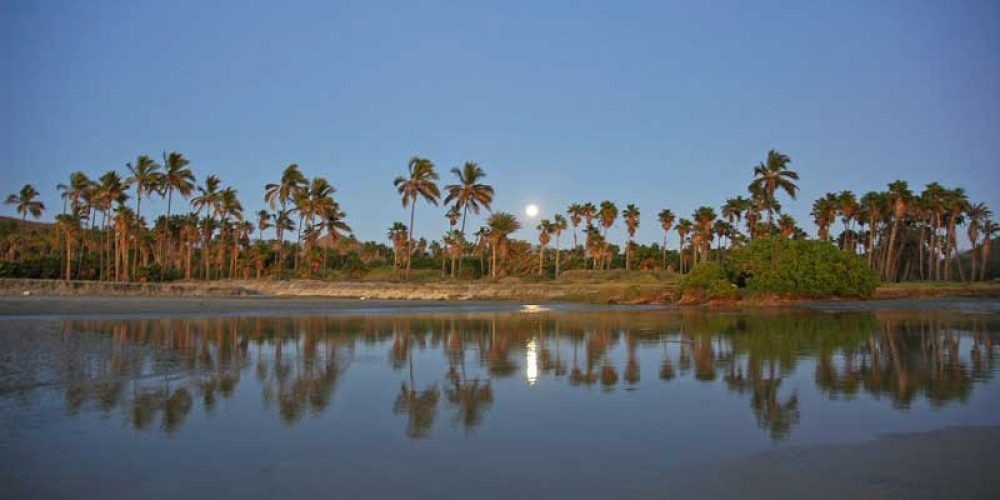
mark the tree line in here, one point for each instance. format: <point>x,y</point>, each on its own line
<point>102,233</point>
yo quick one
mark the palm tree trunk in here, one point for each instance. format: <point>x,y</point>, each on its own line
<point>461,250</point>
<point>166,236</point>
<point>664,250</point>
<point>69,255</point>
<point>628,253</point>
<point>986,246</point>
<point>954,252</point>
<point>298,244</point>
<point>887,273</point>
<point>409,240</point>
<point>557,257</point>
<point>921,249</point>
<point>541,259</point>
<point>493,260</point>
<point>972,255</point>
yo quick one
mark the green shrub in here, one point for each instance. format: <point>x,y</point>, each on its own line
<point>49,267</point>
<point>803,268</point>
<point>711,279</point>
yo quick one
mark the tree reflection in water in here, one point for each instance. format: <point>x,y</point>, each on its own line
<point>155,372</point>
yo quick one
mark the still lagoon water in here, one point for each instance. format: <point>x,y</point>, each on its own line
<point>490,404</point>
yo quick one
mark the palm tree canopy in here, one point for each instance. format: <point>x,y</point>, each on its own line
<point>773,175</point>
<point>666,218</point>
<point>420,182</point>
<point>608,213</point>
<point>559,224</point>
<point>502,224</point>
<point>469,193</point>
<point>145,175</point>
<point>631,215</point>
<point>292,181</point>
<point>177,176</point>
<point>26,202</point>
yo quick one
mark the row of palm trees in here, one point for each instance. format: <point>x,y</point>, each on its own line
<point>901,234</point>
<point>97,217</point>
<point>906,235</point>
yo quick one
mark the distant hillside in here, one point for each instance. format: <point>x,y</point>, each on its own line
<point>13,223</point>
<point>992,267</point>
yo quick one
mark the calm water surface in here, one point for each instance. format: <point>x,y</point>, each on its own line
<point>492,405</point>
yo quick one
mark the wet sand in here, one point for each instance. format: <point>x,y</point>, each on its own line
<point>956,462</point>
<point>55,306</point>
<point>68,307</point>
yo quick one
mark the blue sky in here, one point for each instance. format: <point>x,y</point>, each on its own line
<point>660,104</point>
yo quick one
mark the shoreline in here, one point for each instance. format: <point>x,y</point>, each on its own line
<point>42,307</point>
<point>552,292</point>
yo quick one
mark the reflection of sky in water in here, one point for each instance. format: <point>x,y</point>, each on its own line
<point>328,397</point>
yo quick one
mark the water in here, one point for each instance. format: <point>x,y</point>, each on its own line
<point>496,404</point>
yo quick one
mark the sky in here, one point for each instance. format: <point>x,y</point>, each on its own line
<point>661,104</point>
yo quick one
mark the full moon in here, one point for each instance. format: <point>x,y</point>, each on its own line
<point>531,210</point>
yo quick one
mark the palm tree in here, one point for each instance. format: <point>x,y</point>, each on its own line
<point>64,194</point>
<point>314,201</point>
<point>398,235</point>
<point>786,225</point>
<point>110,190</point>
<point>847,204</point>
<point>146,177</point>
<point>607,215</point>
<point>280,193</point>
<point>483,238</point>
<point>978,214</point>
<point>26,202</point>
<point>990,230</point>
<point>263,223</point>
<point>469,193</point>
<point>933,198</point>
<point>595,244</point>
<point>773,175</point>
<point>588,211</point>
<point>336,226</point>
<point>558,226</point>
<point>453,240</point>
<point>956,204</point>
<point>282,222</point>
<point>453,215</point>
<point>420,183</point>
<point>124,220</point>
<point>684,227</point>
<point>207,200</point>
<point>824,211</point>
<point>176,177</point>
<point>899,197</point>
<point>703,217</point>
<point>721,229</point>
<point>575,213</point>
<point>871,206</point>
<point>733,209</point>
<point>666,218</point>
<point>544,228</point>
<point>501,225</point>
<point>631,216</point>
